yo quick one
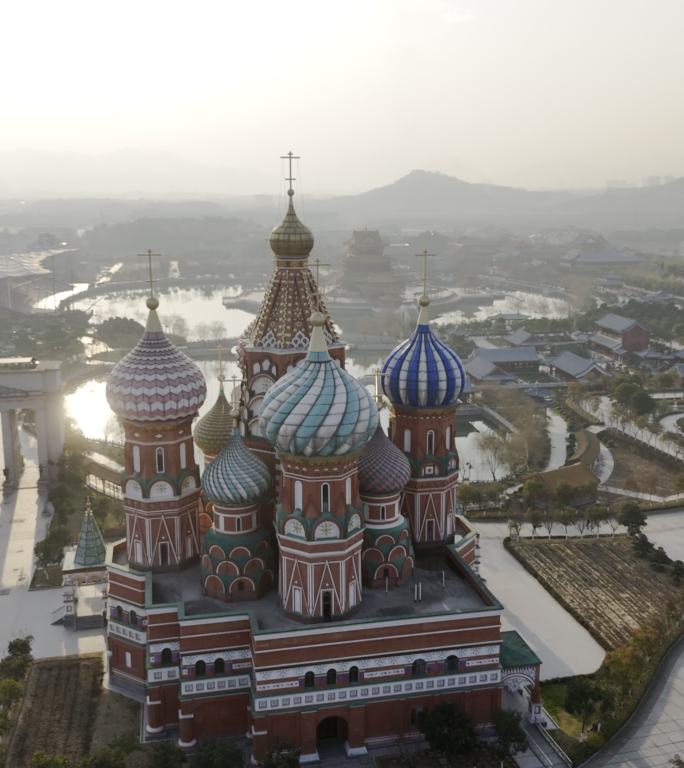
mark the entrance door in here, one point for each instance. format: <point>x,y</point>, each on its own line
<point>327,605</point>
<point>164,553</point>
<point>331,735</point>
<point>430,530</point>
<point>138,556</point>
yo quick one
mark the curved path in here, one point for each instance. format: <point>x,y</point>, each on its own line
<point>655,732</point>
<point>669,423</point>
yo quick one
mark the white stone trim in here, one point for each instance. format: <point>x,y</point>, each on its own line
<point>172,645</point>
<point>126,633</point>
<point>356,693</point>
<point>162,674</point>
<point>209,685</point>
<point>379,662</point>
<point>210,658</point>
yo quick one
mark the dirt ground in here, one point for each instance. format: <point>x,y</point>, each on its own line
<point>638,473</point>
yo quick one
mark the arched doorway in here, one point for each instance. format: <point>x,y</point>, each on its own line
<point>331,735</point>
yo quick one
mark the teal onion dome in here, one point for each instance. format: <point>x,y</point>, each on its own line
<point>235,477</point>
<point>318,408</point>
<point>423,371</point>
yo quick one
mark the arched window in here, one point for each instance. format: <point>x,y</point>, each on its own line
<point>419,668</point>
<point>166,656</point>
<point>447,439</point>
<point>136,458</point>
<point>118,612</point>
<point>383,512</point>
<point>353,674</point>
<point>133,619</point>
<point>452,664</point>
<point>200,669</point>
<point>331,677</point>
<point>219,667</point>
<point>325,498</point>
<point>183,456</point>
<point>407,441</point>
<point>309,680</point>
<point>238,524</point>
<point>431,442</point>
<point>298,495</point>
<point>160,460</point>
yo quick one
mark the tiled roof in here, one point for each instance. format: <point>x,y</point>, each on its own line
<point>508,354</point>
<point>522,337</point>
<point>91,548</point>
<point>515,652</point>
<point>615,323</point>
<point>211,431</point>
<point>572,364</point>
<point>236,476</point>
<point>155,381</point>
<point>481,369</point>
<point>383,468</point>
<point>423,371</point>
<point>615,345</point>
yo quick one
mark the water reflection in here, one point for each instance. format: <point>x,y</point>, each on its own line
<point>530,304</point>
<point>473,461</point>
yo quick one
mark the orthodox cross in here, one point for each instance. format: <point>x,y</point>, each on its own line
<point>149,255</point>
<point>235,380</point>
<point>318,263</point>
<point>376,375</point>
<point>219,372</point>
<point>424,256</point>
<point>290,157</point>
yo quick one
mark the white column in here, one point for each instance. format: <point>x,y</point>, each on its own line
<point>10,447</point>
<point>42,439</point>
<point>54,422</point>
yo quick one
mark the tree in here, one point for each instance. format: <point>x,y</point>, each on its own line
<point>282,755</point>
<point>448,730</point>
<point>18,658</point>
<point>659,559</point>
<point>581,698</point>
<point>468,494</point>
<point>642,403</point>
<point>550,519</point>
<point>581,521</point>
<point>10,692</point>
<point>677,571</point>
<point>565,493</point>
<point>567,517</point>
<point>613,524</point>
<point>164,754</point>
<point>493,448</point>
<point>642,546</point>
<point>45,760</point>
<point>533,490</point>
<point>632,518</point>
<point>105,758</point>
<point>219,753</point>
<point>534,518</point>
<point>596,516</point>
<point>510,735</point>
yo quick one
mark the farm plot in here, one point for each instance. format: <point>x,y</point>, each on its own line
<point>605,586</point>
<point>58,709</point>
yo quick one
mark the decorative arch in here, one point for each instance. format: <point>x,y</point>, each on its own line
<point>226,568</point>
<point>188,484</point>
<point>327,529</point>
<point>214,586</point>
<point>161,490</point>
<point>384,540</point>
<point>236,552</point>
<point>216,552</point>
<point>133,489</point>
<point>255,564</point>
<point>397,553</point>
<point>247,585</point>
<point>354,522</point>
<point>207,565</point>
<point>386,569</point>
<point>261,383</point>
<point>373,555</point>
<point>294,527</point>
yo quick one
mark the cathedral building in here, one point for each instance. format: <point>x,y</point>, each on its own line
<point>330,593</point>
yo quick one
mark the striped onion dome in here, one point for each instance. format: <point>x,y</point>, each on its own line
<point>235,477</point>
<point>212,430</point>
<point>422,371</point>
<point>383,468</point>
<point>318,409</point>
<point>291,239</point>
<point>155,381</point>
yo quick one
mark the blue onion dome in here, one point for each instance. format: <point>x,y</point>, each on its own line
<point>318,408</point>
<point>235,477</point>
<point>211,431</point>
<point>291,239</point>
<point>422,371</point>
<point>155,381</point>
<point>383,468</point>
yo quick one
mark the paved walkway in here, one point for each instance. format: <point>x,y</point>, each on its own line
<point>557,428</point>
<point>655,734</point>
<point>669,423</point>
<point>22,524</point>
<point>563,645</point>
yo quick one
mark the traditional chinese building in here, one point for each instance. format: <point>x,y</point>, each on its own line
<point>319,604</point>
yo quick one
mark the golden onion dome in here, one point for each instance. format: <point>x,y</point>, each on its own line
<point>291,239</point>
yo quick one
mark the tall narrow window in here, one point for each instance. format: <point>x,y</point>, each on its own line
<point>347,490</point>
<point>353,674</point>
<point>298,494</point>
<point>325,498</point>
<point>309,680</point>
<point>407,441</point>
<point>160,460</point>
<point>200,669</point>
<point>419,668</point>
<point>331,677</point>
<point>448,439</point>
<point>219,667</point>
<point>383,512</point>
<point>167,656</point>
<point>431,443</point>
<point>183,457</point>
<point>136,458</point>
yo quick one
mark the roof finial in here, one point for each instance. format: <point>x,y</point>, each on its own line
<point>317,341</point>
<point>152,301</point>
<point>424,300</point>
<point>319,292</point>
<point>377,396</point>
<point>235,395</point>
<point>290,178</point>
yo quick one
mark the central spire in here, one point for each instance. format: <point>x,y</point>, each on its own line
<point>291,239</point>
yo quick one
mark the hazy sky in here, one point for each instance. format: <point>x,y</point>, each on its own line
<point>523,92</point>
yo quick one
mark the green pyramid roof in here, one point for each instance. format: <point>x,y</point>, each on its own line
<point>91,548</point>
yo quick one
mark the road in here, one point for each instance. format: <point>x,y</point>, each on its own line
<point>563,645</point>
<point>22,524</point>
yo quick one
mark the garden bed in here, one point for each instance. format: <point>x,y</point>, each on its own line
<point>58,711</point>
<point>600,581</point>
<point>484,757</point>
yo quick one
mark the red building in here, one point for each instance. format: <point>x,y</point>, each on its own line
<point>616,335</point>
<point>364,607</point>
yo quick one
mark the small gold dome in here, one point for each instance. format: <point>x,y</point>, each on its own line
<point>291,239</point>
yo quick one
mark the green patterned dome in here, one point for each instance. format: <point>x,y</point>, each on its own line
<point>213,429</point>
<point>291,239</point>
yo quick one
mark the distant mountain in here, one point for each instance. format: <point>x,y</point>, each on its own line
<point>657,207</point>
<point>423,197</point>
